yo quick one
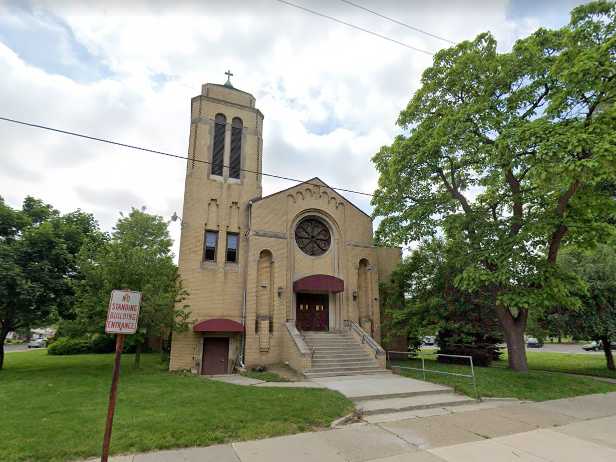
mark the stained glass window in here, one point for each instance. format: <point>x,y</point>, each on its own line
<point>312,236</point>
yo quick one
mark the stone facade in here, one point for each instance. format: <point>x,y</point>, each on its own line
<point>257,291</point>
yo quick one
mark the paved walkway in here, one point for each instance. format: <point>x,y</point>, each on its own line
<point>369,386</point>
<point>238,379</point>
<point>575,429</point>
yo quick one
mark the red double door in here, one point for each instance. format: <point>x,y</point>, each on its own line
<point>312,312</point>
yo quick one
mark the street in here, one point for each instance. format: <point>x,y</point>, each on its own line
<point>562,348</point>
<point>547,348</point>
<point>8,348</point>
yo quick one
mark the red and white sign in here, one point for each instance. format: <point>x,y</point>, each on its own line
<point>123,312</point>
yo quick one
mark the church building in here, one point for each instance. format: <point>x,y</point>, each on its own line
<point>292,277</point>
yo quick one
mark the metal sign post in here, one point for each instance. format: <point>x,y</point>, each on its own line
<point>122,319</point>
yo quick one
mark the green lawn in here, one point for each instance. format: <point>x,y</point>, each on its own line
<point>265,376</point>
<point>53,408</point>
<point>584,364</point>
<point>498,381</point>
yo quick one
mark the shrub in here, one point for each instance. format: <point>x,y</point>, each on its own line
<point>482,346</point>
<point>69,346</point>
<point>102,344</point>
<point>482,355</point>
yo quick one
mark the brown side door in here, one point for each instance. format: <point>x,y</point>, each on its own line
<point>215,358</point>
<point>312,312</point>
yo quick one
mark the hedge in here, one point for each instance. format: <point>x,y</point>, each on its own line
<point>69,346</point>
<point>98,343</point>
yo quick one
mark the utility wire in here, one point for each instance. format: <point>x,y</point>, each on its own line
<point>400,23</point>
<point>177,156</point>
<point>353,26</point>
<point>163,153</point>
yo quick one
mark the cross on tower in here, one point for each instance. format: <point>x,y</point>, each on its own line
<point>228,82</point>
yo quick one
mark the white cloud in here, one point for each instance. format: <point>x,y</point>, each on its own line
<point>330,94</point>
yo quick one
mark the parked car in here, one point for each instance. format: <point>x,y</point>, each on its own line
<point>429,340</point>
<point>532,342</point>
<point>37,343</point>
<point>597,346</point>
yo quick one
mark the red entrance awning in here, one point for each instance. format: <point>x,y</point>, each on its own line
<point>218,325</point>
<point>319,283</point>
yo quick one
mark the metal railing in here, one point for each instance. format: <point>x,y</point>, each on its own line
<point>365,337</point>
<point>424,370</point>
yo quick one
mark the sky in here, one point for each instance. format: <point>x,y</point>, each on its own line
<point>126,70</point>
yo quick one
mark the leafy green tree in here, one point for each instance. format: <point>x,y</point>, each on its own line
<point>422,299</point>
<point>38,249</point>
<point>596,318</point>
<point>502,153</point>
<point>137,257</point>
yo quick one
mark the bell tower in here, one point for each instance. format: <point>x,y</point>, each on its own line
<point>223,173</point>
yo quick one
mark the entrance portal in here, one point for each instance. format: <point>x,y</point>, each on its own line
<point>215,356</point>
<point>312,311</point>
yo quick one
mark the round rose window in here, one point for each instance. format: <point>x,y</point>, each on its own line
<point>312,236</point>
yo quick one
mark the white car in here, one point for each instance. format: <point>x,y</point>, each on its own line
<point>37,343</point>
<point>532,342</point>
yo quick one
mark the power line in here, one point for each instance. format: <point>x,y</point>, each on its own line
<point>400,23</point>
<point>163,153</point>
<point>353,26</point>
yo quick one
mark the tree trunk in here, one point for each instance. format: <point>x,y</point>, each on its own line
<point>138,354</point>
<point>3,334</point>
<point>514,329</point>
<point>607,350</point>
<point>163,353</point>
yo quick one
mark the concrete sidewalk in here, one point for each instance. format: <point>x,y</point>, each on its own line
<point>574,429</point>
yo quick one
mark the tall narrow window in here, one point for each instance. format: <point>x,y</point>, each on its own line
<point>218,152</point>
<point>209,245</point>
<point>232,242</point>
<point>235,161</point>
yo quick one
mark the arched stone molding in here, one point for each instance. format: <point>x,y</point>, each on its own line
<point>334,254</point>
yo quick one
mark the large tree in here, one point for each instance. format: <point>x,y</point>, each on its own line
<point>38,249</point>
<point>137,257</point>
<point>502,153</point>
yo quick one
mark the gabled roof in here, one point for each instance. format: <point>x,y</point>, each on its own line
<point>316,181</point>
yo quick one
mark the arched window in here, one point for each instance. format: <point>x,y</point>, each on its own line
<point>218,152</point>
<point>235,160</point>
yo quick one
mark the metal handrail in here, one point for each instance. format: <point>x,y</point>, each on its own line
<point>424,370</point>
<point>365,337</point>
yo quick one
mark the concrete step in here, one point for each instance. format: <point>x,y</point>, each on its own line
<point>350,346</point>
<point>314,375</point>
<point>341,368</point>
<point>310,333</point>
<point>341,357</point>
<point>357,353</point>
<point>353,348</point>
<point>333,363</point>
<point>411,403</point>
<point>338,354</point>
